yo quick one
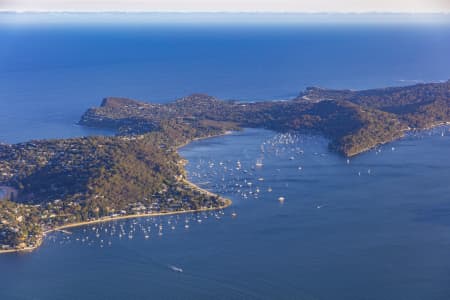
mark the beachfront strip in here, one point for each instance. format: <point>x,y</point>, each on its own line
<point>139,171</point>
<point>31,241</point>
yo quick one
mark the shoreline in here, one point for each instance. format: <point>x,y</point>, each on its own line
<point>228,132</point>
<point>226,203</point>
<point>404,133</point>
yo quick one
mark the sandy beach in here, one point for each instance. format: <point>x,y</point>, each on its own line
<point>226,203</point>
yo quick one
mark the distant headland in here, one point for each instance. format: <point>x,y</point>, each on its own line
<point>354,121</point>
<point>53,184</point>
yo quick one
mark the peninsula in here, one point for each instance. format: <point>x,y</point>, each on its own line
<point>51,184</point>
<point>354,121</point>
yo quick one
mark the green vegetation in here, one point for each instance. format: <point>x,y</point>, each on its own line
<point>354,121</point>
<point>417,106</point>
<point>82,179</point>
<point>57,182</point>
<point>19,225</point>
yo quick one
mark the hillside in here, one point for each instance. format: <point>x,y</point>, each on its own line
<point>64,181</point>
<point>354,121</point>
<point>418,106</point>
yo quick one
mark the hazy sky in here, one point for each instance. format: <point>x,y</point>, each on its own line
<point>417,6</point>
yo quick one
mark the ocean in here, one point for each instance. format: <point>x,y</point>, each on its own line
<point>377,227</point>
<point>51,73</point>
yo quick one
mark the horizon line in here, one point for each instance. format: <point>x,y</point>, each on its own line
<point>228,12</point>
<point>220,17</point>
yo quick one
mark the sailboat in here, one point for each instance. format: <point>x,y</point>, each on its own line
<point>259,163</point>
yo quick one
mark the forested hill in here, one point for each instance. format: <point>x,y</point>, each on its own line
<point>63,181</point>
<point>419,106</point>
<point>354,121</point>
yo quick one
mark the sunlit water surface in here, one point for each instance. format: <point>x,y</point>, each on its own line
<point>376,227</point>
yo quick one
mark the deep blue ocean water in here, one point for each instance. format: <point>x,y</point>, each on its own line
<point>376,228</point>
<point>49,74</point>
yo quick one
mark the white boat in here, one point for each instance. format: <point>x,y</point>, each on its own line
<point>259,163</point>
<point>281,199</point>
<point>176,269</point>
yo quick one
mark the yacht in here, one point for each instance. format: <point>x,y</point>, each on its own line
<point>259,163</point>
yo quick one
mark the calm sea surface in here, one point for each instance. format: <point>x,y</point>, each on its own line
<point>50,74</point>
<point>375,228</point>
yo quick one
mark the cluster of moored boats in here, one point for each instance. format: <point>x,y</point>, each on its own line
<point>239,179</point>
<point>105,234</point>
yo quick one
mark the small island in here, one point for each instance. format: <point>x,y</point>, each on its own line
<point>53,184</point>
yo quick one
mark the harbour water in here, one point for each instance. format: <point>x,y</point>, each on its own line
<point>341,232</point>
<point>376,227</point>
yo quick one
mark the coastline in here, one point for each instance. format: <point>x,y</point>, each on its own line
<point>203,138</point>
<point>226,203</point>
<point>403,134</point>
